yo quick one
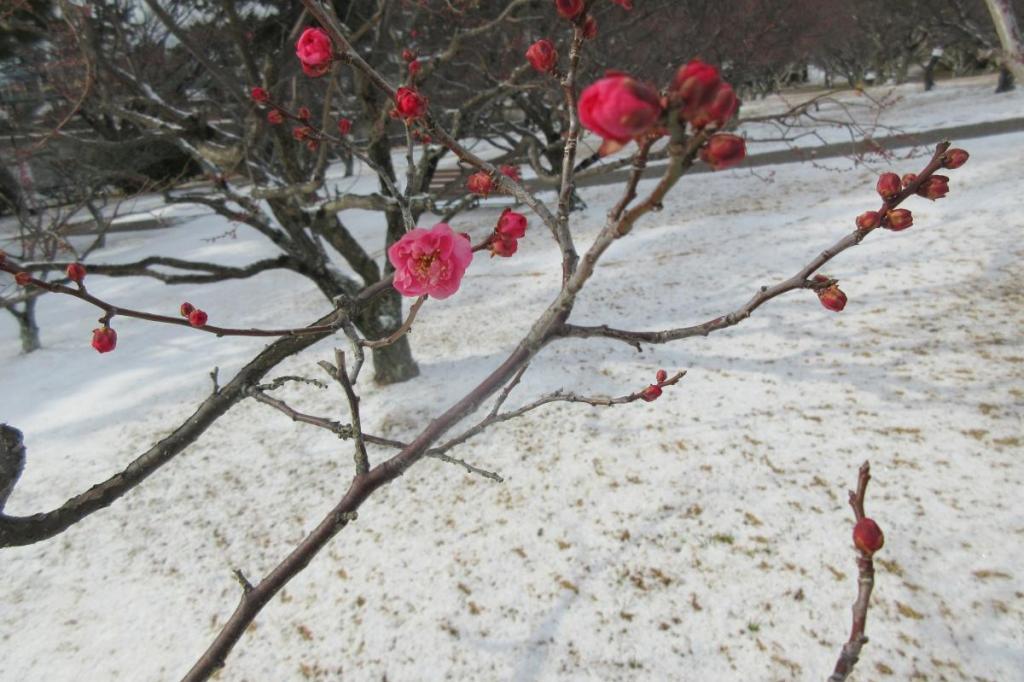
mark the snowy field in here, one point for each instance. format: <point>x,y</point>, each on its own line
<point>702,537</point>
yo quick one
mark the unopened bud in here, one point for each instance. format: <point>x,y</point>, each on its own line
<point>867,536</point>
<point>899,219</point>
<point>651,393</point>
<point>831,297</point>
<point>935,187</point>
<point>542,55</point>
<point>590,28</point>
<point>955,158</point>
<point>104,339</point>
<point>889,185</point>
<point>503,246</point>
<point>569,9</point>
<point>76,272</point>
<point>260,95</point>
<point>186,309</point>
<point>480,183</point>
<point>661,376</point>
<point>724,150</point>
<point>907,179</point>
<point>22,279</point>
<point>869,220</point>
<point>197,318</point>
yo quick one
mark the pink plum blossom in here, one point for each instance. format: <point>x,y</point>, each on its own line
<point>430,261</point>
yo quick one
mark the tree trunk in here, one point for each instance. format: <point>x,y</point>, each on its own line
<point>1005,83</point>
<point>391,364</point>
<point>1009,37</point>
<point>27,327</point>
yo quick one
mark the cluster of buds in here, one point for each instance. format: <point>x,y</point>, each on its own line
<point>702,96</point>
<point>195,316</point>
<point>653,392</point>
<point>315,52</point>
<point>893,189</point>
<point>867,536</point>
<point>619,109</point>
<point>308,135</point>
<point>829,293</point>
<point>510,229</point>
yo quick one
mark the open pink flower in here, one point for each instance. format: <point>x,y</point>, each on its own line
<point>430,261</point>
<point>619,108</point>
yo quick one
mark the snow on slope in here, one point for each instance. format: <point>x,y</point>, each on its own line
<point>701,537</point>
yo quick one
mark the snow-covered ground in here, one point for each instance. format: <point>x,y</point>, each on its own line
<point>705,536</point>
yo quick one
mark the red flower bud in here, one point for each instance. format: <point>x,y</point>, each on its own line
<point>694,85</point>
<point>260,95</point>
<point>722,106</point>
<point>22,279</point>
<point>935,187</point>
<point>197,318</point>
<point>186,309</point>
<point>408,55</point>
<point>619,108</point>
<point>898,219</point>
<point>312,145</point>
<point>480,183</point>
<point>410,104</point>
<point>104,339</point>
<point>590,28</point>
<point>955,158</point>
<point>315,51</point>
<point>568,9</point>
<point>542,55</point>
<point>304,113</point>
<point>723,150</point>
<point>414,67</point>
<point>907,179</point>
<point>511,224</point>
<point>869,220</point>
<point>831,297</point>
<point>503,246</point>
<point>275,117</point>
<point>889,185</point>
<point>301,132</point>
<point>76,272</point>
<point>651,393</point>
<point>344,126</point>
<point>867,536</point>
<point>511,172</point>
<point>662,375</point>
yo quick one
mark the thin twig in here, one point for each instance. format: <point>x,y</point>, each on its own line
<point>398,333</point>
<point>865,584</point>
